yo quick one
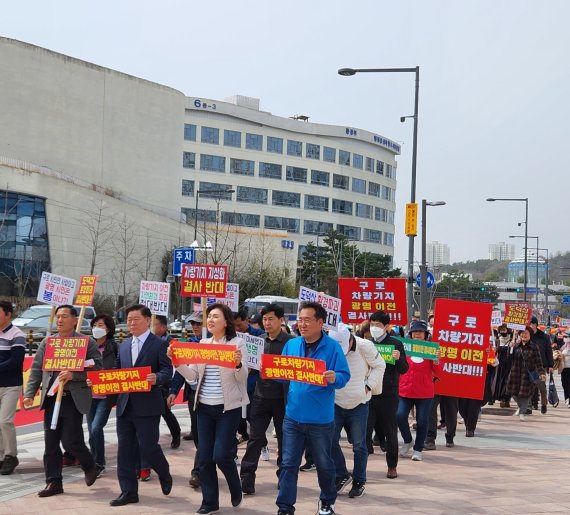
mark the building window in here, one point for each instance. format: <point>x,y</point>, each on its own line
<point>210,135</point>
<point>374,189</point>
<point>380,167</point>
<point>320,178</point>
<point>358,185</point>
<point>204,215</point>
<point>240,219</point>
<point>270,170</point>
<point>372,236</point>
<point>340,181</point>
<point>294,148</point>
<point>329,154</point>
<point>369,164</point>
<point>212,163</point>
<point>387,193</point>
<point>388,239</point>
<point>242,167</point>
<point>313,151</point>
<point>343,157</point>
<point>342,206</point>
<point>314,227</point>
<point>283,223</point>
<point>189,160</point>
<point>384,215</point>
<point>216,189</point>
<point>251,195</point>
<point>232,138</point>
<point>189,132</point>
<point>351,232</point>
<point>316,202</point>
<point>253,141</point>
<point>274,145</point>
<point>363,211</point>
<point>286,198</point>
<point>390,171</point>
<point>357,161</point>
<point>187,188</point>
<point>296,174</point>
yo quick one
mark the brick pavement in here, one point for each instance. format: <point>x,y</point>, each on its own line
<point>509,467</point>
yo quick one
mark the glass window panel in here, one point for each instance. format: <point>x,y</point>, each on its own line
<point>357,160</point>
<point>294,148</point>
<point>296,174</point>
<point>253,141</point>
<point>187,188</point>
<point>240,219</point>
<point>218,191</point>
<point>343,157</point>
<point>210,135</point>
<point>189,132</point>
<point>189,160</point>
<point>232,138</point>
<point>270,170</point>
<point>283,223</point>
<point>212,163</point>
<point>342,206</point>
<point>242,167</point>
<point>358,185</point>
<point>316,202</point>
<point>340,181</point>
<point>313,151</point>
<point>314,227</point>
<point>274,145</point>
<point>329,154</point>
<point>252,195</point>
<point>320,178</point>
<point>286,198</point>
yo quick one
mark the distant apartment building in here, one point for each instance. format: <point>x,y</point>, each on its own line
<point>437,254</point>
<point>501,251</point>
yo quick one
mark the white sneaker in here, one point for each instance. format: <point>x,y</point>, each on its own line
<point>417,456</point>
<point>522,417</point>
<point>517,412</point>
<point>265,454</point>
<point>460,420</point>
<point>406,449</point>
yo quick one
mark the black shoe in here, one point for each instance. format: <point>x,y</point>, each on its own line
<point>166,484</point>
<point>357,489</point>
<point>285,512</point>
<point>342,483</point>
<point>204,510</point>
<point>469,434</point>
<point>189,436</point>
<point>326,508</point>
<point>194,481</point>
<point>308,467</point>
<point>543,410</point>
<point>175,442</point>
<point>535,406</point>
<point>449,444</point>
<point>52,488</point>
<point>91,475</point>
<point>247,485</point>
<point>529,411</point>
<point>124,499</point>
<point>8,465</point>
<point>100,470</point>
<point>237,499</point>
<point>429,445</point>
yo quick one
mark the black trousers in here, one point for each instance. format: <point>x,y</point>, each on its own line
<point>382,418</point>
<point>262,411</point>
<point>68,432</point>
<point>469,410</point>
<point>193,428</point>
<point>450,405</point>
<point>170,419</point>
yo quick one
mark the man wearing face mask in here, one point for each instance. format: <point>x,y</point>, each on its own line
<point>384,403</point>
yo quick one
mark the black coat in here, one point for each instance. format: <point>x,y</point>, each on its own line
<point>391,381</point>
<point>545,348</point>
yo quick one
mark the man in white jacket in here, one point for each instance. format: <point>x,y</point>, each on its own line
<point>351,406</point>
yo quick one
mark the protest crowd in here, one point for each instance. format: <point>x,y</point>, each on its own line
<point>371,380</point>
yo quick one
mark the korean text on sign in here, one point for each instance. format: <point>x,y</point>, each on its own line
<point>362,297</point>
<point>86,290</point>
<point>206,353</point>
<point>292,368</point>
<point>255,346</point>
<point>56,289</point>
<point>462,330</point>
<point>331,305</point>
<point>387,352</point>
<point>420,348</point>
<point>155,296</point>
<point>204,280</point>
<point>517,316</point>
<point>120,380</point>
<point>65,353</point>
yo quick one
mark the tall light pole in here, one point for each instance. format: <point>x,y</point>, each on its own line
<point>201,192</point>
<point>423,266</point>
<point>352,71</point>
<point>534,238</point>
<point>546,287</point>
<point>525,200</point>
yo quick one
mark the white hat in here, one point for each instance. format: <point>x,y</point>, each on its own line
<point>342,336</point>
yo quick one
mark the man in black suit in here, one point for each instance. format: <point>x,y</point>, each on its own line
<point>138,414</point>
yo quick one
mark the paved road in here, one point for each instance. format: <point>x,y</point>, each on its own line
<point>509,467</point>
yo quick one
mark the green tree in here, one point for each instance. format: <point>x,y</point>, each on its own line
<point>458,285</point>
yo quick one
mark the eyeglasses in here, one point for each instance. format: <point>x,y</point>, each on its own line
<point>305,321</point>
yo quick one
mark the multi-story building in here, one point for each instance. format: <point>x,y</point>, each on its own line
<point>437,253</point>
<point>501,251</point>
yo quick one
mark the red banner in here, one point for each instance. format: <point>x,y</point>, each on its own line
<point>293,368</point>
<point>86,290</point>
<point>119,380</point>
<point>65,353</point>
<point>204,280</point>
<point>187,353</point>
<point>362,297</point>
<point>462,330</point>
<point>517,316</point>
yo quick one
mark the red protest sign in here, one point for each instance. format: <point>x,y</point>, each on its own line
<point>517,316</point>
<point>120,380</point>
<point>462,330</point>
<point>204,280</point>
<point>86,290</point>
<point>293,368</point>
<point>362,297</point>
<point>186,353</point>
<point>65,353</point>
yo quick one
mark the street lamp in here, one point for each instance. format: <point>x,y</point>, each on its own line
<point>198,193</point>
<point>347,72</point>
<point>534,238</point>
<point>525,200</point>
<point>546,287</point>
<point>423,266</point>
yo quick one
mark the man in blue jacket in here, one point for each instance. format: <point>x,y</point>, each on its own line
<point>309,414</point>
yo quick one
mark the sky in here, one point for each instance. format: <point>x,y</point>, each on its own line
<point>492,107</point>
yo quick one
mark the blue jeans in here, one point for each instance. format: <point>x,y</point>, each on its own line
<point>96,420</point>
<point>423,409</point>
<point>320,437</point>
<point>356,419</point>
<point>217,433</point>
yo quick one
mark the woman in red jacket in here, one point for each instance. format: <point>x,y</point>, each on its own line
<point>416,389</point>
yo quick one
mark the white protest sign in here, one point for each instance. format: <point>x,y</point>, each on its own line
<point>155,296</point>
<point>231,299</point>
<point>255,345</point>
<point>56,289</point>
<point>496,318</point>
<point>331,304</point>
